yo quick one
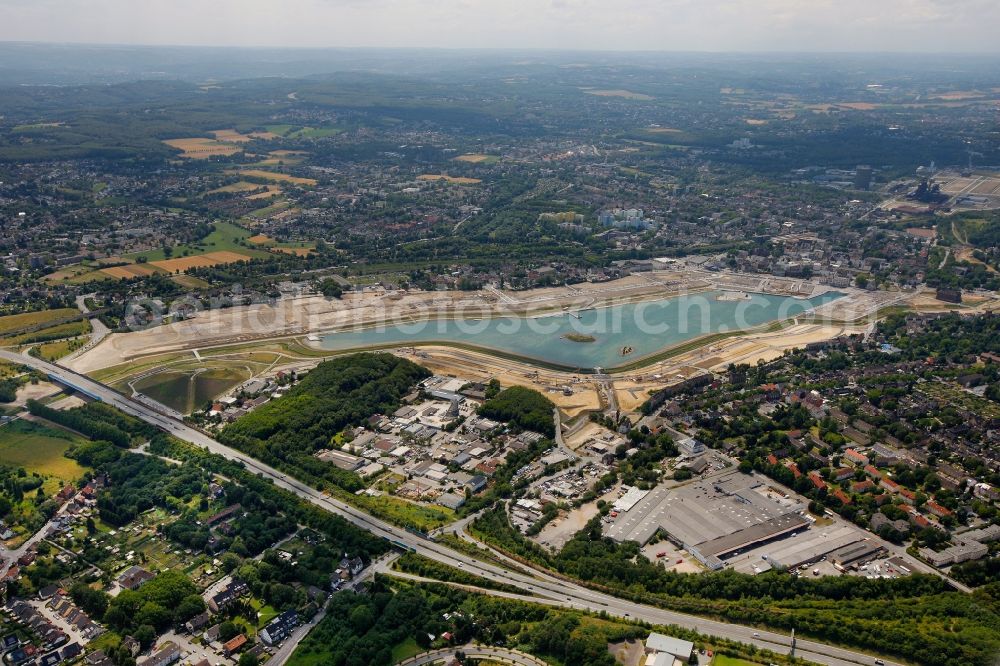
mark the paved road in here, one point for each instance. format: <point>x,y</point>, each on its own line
<point>9,557</point>
<point>541,584</point>
<point>98,331</point>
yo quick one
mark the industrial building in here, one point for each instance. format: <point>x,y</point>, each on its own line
<point>713,519</point>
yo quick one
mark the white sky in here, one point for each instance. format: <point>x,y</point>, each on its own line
<point>670,25</point>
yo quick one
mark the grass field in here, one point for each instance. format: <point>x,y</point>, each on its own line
<point>723,660</point>
<point>280,130</point>
<point>268,211</point>
<point>225,237</point>
<point>314,133</point>
<point>12,323</point>
<point>239,186</point>
<point>276,177</point>
<point>189,282</point>
<point>399,511</point>
<point>53,351</point>
<point>66,274</point>
<point>69,330</point>
<point>460,180</point>
<point>186,391</point>
<point>405,650</point>
<point>300,132</point>
<point>39,449</point>
<point>297,251</point>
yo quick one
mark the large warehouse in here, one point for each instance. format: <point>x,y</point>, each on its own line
<point>713,519</point>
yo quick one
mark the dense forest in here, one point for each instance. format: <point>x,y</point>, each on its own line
<point>342,392</point>
<point>524,408</point>
<point>95,420</point>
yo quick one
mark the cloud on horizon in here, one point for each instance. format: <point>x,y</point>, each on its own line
<point>671,25</point>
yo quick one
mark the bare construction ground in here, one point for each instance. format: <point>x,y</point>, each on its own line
<point>258,326</point>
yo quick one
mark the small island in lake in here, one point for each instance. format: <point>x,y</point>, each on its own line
<point>626,350</point>
<point>580,337</point>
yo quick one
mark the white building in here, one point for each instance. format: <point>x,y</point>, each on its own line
<point>664,650</point>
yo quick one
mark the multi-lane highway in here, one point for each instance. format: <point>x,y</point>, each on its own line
<point>544,586</point>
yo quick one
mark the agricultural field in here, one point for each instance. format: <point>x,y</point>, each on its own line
<point>233,136</point>
<point>129,271</point>
<point>234,188</point>
<point>201,260</point>
<point>279,157</point>
<point>57,332</point>
<point>459,180</point>
<point>38,448</point>
<point>19,322</point>
<point>276,177</point>
<point>200,148</point>
<point>477,158</point>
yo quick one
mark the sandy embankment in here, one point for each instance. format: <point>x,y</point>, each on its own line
<point>295,317</point>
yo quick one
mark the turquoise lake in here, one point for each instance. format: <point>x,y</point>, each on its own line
<point>646,328</point>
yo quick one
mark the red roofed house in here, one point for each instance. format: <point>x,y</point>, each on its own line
<point>817,480</point>
<point>234,645</point>
<point>937,509</point>
<point>919,521</point>
<point>872,472</point>
<point>842,496</point>
<point>771,459</point>
<point>843,473</point>
<point>908,496</point>
<point>855,457</point>
<point>862,486</point>
<point>890,485</point>
<point>796,472</point>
